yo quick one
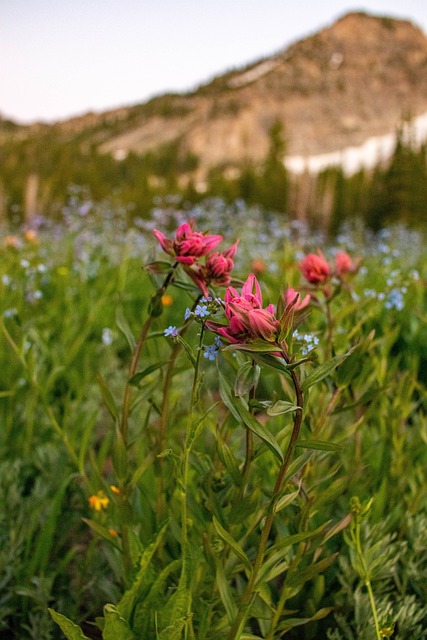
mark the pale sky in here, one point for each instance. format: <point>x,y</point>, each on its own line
<point>61,58</point>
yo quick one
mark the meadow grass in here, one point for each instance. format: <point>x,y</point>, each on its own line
<point>155,529</point>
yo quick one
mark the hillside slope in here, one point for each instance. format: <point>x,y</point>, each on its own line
<point>349,82</point>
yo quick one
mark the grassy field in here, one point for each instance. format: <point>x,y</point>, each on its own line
<point>174,486</point>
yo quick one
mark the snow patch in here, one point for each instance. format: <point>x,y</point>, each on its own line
<point>253,74</point>
<point>372,152</point>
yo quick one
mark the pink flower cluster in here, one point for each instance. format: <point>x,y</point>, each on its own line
<point>316,269</point>
<point>247,318</point>
<point>189,246</point>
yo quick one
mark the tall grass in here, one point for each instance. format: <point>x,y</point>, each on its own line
<point>156,530</point>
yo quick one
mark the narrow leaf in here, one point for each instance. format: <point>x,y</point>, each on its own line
<point>247,378</point>
<point>301,576</point>
<point>139,375</point>
<point>323,371</point>
<point>290,623</point>
<point>107,396</point>
<point>126,604</point>
<point>232,543</point>
<point>253,347</point>
<point>103,532</point>
<point>248,419</point>
<point>321,445</point>
<point>225,592</point>
<point>68,628</point>
<point>124,327</point>
<point>285,500</point>
<point>187,348</point>
<point>115,627</point>
<point>281,406</point>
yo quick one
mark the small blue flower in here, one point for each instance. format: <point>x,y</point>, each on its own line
<point>201,311</point>
<point>395,300</point>
<point>218,342</point>
<point>187,313</point>
<point>107,336</point>
<point>171,331</point>
<point>10,313</point>
<point>211,352</point>
<point>206,299</point>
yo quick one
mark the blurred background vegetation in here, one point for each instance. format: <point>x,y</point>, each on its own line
<point>36,170</point>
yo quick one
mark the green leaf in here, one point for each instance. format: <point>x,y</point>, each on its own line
<point>241,413</point>
<point>253,347</point>
<point>119,456</point>
<point>365,398</point>
<point>277,553</point>
<point>127,603</point>
<point>290,623</point>
<point>68,628</point>
<point>232,543</point>
<point>103,532</point>
<point>43,544</point>
<point>225,591</point>
<point>273,362</point>
<point>115,626</point>
<point>228,460</point>
<point>285,500</point>
<point>187,348</point>
<point>321,445</point>
<point>247,378</point>
<point>139,375</point>
<point>124,327</point>
<point>301,576</point>
<point>107,396</point>
<point>323,371</point>
<point>351,367</point>
<point>280,407</point>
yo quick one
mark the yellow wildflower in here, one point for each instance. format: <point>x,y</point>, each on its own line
<point>30,236</point>
<point>98,502</point>
<point>167,300</point>
<point>11,241</point>
<point>115,489</point>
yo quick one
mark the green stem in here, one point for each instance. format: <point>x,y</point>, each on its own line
<point>365,577</point>
<point>329,336</point>
<point>189,439</point>
<point>49,411</point>
<point>249,451</point>
<point>124,425</point>
<point>249,592</point>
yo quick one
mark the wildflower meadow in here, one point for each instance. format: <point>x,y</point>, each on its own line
<point>213,427</point>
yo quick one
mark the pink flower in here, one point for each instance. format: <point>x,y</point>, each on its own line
<point>188,245</point>
<point>315,268</point>
<point>299,304</point>
<point>215,271</point>
<point>247,319</point>
<point>344,264</point>
<point>219,266</point>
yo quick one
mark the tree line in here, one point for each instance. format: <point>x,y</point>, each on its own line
<point>390,193</point>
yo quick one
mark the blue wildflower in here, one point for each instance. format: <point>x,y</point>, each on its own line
<point>201,311</point>
<point>395,300</point>
<point>187,313</point>
<point>171,331</point>
<point>107,336</point>
<point>211,352</point>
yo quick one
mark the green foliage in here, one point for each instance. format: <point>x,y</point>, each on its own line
<point>173,541</point>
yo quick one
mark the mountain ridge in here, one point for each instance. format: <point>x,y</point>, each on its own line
<point>352,80</point>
